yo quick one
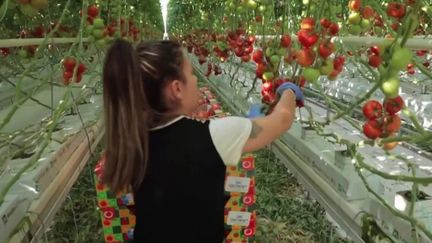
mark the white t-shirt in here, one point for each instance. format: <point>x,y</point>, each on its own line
<point>229,136</point>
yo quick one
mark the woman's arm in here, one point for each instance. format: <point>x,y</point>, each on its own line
<point>266,129</point>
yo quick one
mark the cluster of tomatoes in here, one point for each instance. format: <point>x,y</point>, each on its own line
<point>267,62</point>
<point>32,7</point>
<point>397,11</point>
<point>4,52</point>
<point>197,46</point>
<point>383,120</point>
<point>411,68</point>
<point>241,44</point>
<point>92,13</point>
<point>314,44</point>
<point>205,109</point>
<point>69,65</point>
<point>360,18</point>
<point>126,28</point>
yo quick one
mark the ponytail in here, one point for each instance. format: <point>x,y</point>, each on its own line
<point>127,115</point>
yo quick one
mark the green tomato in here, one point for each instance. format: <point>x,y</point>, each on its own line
<point>39,4</point>
<point>269,51</point>
<point>240,9</point>
<point>100,43</point>
<point>281,52</point>
<point>268,76</point>
<point>98,34</point>
<point>28,10</point>
<point>365,24</point>
<point>355,29</point>
<point>251,4</point>
<point>354,18</point>
<point>312,8</point>
<point>275,59</point>
<point>89,29</point>
<point>262,8</point>
<point>400,59</point>
<point>327,67</point>
<point>390,87</point>
<point>98,23</point>
<point>311,74</point>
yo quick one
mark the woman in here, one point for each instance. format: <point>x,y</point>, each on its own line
<point>176,165</point>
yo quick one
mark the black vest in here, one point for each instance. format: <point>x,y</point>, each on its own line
<point>182,197</point>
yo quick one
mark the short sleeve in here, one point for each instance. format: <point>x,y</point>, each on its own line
<point>229,135</point>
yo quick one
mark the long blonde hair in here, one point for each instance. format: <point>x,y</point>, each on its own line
<point>133,81</point>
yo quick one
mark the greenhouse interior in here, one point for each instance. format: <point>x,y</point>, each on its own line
<point>354,164</point>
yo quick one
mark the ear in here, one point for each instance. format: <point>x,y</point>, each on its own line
<point>175,90</point>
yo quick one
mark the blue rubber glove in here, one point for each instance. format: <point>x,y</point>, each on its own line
<point>293,87</point>
<point>255,111</point>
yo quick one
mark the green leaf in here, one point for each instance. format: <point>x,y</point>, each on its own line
<point>3,9</point>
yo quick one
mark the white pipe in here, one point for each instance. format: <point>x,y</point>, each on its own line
<point>37,41</point>
<point>413,43</point>
<point>417,43</point>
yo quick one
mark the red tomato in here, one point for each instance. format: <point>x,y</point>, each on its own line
<point>307,23</point>
<point>305,57</point>
<point>396,10</point>
<point>334,28</point>
<point>392,124</point>
<point>325,22</point>
<point>354,5</point>
<point>257,56</point>
<point>326,49</point>
<point>78,78</point>
<point>67,75</point>
<point>93,10</point>
<point>393,106</point>
<point>246,58</point>
<point>260,69</point>
<point>4,51</point>
<point>372,109</point>
<point>306,38</point>
<point>69,64</point>
<point>372,129</point>
<point>374,60</point>
<point>81,68</point>
<point>368,12</point>
<point>285,41</point>
<point>375,50</point>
